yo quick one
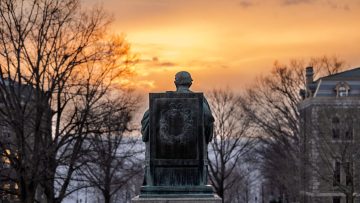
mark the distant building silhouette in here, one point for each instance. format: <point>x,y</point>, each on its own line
<point>9,187</point>
<point>330,138</point>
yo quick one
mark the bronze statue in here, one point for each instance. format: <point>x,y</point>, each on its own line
<point>176,130</point>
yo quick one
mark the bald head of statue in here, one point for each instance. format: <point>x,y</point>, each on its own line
<point>183,80</point>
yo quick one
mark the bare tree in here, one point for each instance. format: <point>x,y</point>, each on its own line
<point>327,65</point>
<point>56,63</point>
<point>243,190</point>
<point>232,140</point>
<point>271,104</point>
<point>113,154</point>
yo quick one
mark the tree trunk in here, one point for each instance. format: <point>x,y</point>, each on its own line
<point>28,194</point>
<point>107,197</point>
<point>221,193</point>
<point>49,181</point>
<point>349,198</point>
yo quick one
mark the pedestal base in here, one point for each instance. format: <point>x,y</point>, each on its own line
<point>203,191</point>
<point>214,199</point>
<point>177,194</point>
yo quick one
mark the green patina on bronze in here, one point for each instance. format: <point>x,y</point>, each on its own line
<point>176,129</point>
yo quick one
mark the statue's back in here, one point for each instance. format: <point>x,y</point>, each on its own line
<point>176,129</point>
<point>177,149</point>
<point>176,139</point>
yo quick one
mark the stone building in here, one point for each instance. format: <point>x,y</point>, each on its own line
<point>330,138</point>
<point>10,141</point>
<point>7,175</point>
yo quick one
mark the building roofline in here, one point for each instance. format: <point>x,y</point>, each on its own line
<point>325,101</point>
<point>336,74</point>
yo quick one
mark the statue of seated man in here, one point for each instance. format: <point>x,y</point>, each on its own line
<point>183,82</point>
<point>177,130</point>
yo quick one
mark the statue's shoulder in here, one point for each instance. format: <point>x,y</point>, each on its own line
<point>175,94</point>
<point>180,91</point>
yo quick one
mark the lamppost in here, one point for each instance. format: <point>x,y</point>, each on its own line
<point>86,195</point>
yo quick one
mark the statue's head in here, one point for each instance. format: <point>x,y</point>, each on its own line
<point>183,78</point>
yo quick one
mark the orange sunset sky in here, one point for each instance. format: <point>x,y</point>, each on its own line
<point>229,42</point>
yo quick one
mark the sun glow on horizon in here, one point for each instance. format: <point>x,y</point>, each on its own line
<point>229,43</point>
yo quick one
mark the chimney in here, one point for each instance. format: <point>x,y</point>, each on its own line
<point>309,75</point>
<point>309,80</point>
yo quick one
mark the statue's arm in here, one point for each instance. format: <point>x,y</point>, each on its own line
<point>145,126</point>
<point>209,121</point>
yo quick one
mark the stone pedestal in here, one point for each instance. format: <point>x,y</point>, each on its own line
<point>197,191</point>
<point>214,199</point>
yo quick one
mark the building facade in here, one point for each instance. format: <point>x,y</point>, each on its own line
<point>330,138</point>
<point>11,141</point>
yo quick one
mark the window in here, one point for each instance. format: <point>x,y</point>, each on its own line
<point>335,128</point>
<point>6,186</point>
<point>342,89</point>
<point>348,173</point>
<point>5,132</point>
<point>5,158</point>
<point>349,134</point>
<point>336,199</point>
<point>336,179</point>
<point>348,129</point>
<point>342,130</point>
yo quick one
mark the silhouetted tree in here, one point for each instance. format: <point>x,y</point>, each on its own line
<point>113,157</point>
<point>56,63</point>
<point>232,140</point>
<point>246,175</point>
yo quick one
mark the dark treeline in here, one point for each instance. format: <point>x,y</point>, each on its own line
<point>57,67</point>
